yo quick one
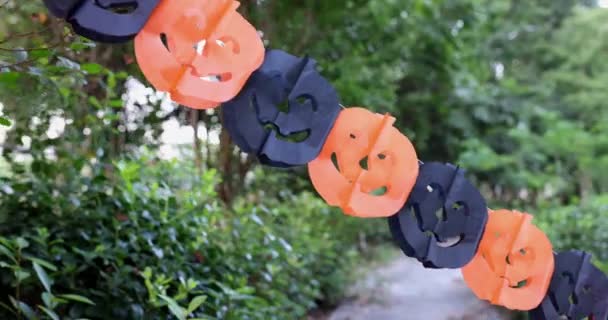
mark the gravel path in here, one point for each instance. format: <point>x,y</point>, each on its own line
<point>405,290</point>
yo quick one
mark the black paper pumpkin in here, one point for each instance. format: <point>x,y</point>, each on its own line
<point>443,220</point>
<point>578,290</point>
<point>104,20</point>
<point>284,113</point>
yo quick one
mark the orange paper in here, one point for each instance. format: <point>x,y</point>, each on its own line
<point>376,168</point>
<point>514,263</point>
<point>201,52</point>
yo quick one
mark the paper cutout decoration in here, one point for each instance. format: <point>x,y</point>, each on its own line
<point>578,290</point>
<point>283,138</point>
<point>443,220</point>
<point>201,52</point>
<point>110,21</point>
<point>367,167</point>
<point>514,263</point>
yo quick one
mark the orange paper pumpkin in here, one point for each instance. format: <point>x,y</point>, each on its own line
<point>514,263</point>
<point>366,167</point>
<point>201,52</point>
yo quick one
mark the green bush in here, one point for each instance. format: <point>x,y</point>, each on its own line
<point>146,239</point>
<point>581,227</point>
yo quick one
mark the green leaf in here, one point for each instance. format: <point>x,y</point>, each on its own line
<point>47,298</point>
<point>7,308</point>
<point>79,45</point>
<point>41,53</point>
<point>117,103</point>
<point>50,313</point>
<point>95,102</point>
<point>41,262</point>
<point>176,310</point>
<point>5,122</point>
<point>24,309</point>
<point>9,79</point>
<point>22,243</point>
<point>92,68</point>
<point>75,297</point>
<point>43,276</point>
<point>22,275</point>
<point>196,303</point>
<point>5,251</point>
<point>111,82</point>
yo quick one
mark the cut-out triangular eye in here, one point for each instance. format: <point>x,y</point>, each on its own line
<point>165,41</point>
<point>122,7</point>
<point>283,106</point>
<point>379,191</point>
<point>302,99</point>
<point>306,100</point>
<point>199,47</point>
<point>568,276</point>
<point>461,208</point>
<point>520,284</point>
<point>228,41</point>
<point>298,136</point>
<point>363,163</point>
<point>334,160</point>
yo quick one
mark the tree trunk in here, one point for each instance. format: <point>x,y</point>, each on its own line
<point>225,191</point>
<point>198,157</point>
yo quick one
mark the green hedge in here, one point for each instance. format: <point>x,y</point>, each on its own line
<point>152,242</point>
<point>581,227</point>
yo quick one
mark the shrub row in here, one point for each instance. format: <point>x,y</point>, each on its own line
<point>579,227</point>
<point>146,239</point>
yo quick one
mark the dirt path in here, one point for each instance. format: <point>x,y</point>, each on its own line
<point>404,290</point>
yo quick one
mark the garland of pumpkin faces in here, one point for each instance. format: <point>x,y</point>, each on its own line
<point>205,54</point>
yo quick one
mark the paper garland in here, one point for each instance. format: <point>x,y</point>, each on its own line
<point>278,107</point>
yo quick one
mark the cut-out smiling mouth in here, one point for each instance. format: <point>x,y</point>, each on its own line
<point>224,77</point>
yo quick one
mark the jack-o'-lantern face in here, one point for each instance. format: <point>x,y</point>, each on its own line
<point>202,52</point>
<point>514,262</point>
<point>443,220</point>
<point>578,290</point>
<point>104,20</point>
<point>284,113</point>
<point>367,167</point>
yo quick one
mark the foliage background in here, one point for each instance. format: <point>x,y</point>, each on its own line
<point>103,215</point>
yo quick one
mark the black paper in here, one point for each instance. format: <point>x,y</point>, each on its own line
<point>443,206</point>
<point>99,20</point>
<point>257,125</point>
<point>578,290</point>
